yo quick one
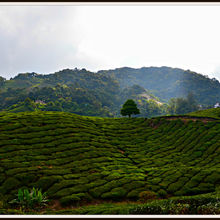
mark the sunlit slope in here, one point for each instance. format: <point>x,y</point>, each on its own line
<point>213,112</point>
<point>76,158</point>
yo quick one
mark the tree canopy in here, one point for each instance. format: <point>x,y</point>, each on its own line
<point>183,105</point>
<point>129,108</point>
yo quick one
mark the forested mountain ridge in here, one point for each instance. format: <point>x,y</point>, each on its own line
<point>102,93</point>
<point>166,82</point>
<point>77,91</point>
<point>81,90</point>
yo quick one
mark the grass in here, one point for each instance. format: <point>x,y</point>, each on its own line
<point>78,159</point>
<point>213,112</point>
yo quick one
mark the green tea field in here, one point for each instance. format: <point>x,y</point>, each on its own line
<point>79,160</point>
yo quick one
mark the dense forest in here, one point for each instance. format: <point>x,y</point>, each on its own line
<point>167,83</point>
<point>156,90</point>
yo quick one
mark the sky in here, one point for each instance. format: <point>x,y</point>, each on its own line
<point>48,38</point>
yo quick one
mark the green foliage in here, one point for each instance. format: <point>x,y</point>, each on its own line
<point>74,199</point>
<point>167,83</point>
<point>45,182</point>
<point>30,200</point>
<point>212,112</point>
<point>78,159</point>
<point>209,209</point>
<point>101,94</point>
<point>162,193</point>
<point>182,105</point>
<point>9,184</point>
<point>116,193</point>
<point>205,204</point>
<point>90,94</point>
<point>181,205</point>
<point>151,108</point>
<point>146,196</point>
<point>129,108</point>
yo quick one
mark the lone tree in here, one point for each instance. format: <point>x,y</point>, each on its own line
<point>129,108</point>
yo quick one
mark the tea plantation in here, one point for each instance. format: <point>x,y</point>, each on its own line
<point>79,160</point>
<point>213,112</point>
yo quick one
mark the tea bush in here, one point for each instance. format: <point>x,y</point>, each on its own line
<point>65,155</point>
<point>73,199</point>
<point>145,196</point>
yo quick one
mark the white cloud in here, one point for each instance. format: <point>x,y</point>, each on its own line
<point>49,38</point>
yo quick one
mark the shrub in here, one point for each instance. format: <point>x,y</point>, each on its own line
<point>154,188</point>
<point>96,183</point>
<point>14,171</point>
<point>26,178</point>
<point>60,185</point>
<point>178,209</point>
<point>156,180</point>
<point>130,185</point>
<point>116,193</point>
<point>74,199</point>
<point>94,176</point>
<point>97,191</point>
<point>2,178</point>
<point>134,194</point>
<point>45,182</point>
<point>209,209</point>
<point>9,184</point>
<point>206,187</point>
<point>147,196</point>
<point>1,204</point>
<point>32,199</point>
<point>213,178</point>
<point>162,193</point>
<point>113,176</point>
<point>146,209</point>
<point>173,187</point>
<point>72,190</point>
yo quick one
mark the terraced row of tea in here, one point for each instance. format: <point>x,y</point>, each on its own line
<point>76,158</point>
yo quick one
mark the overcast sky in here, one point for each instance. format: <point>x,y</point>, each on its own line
<point>45,39</point>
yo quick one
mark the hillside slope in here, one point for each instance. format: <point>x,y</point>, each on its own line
<point>76,91</point>
<point>103,93</point>
<point>166,82</point>
<point>75,158</point>
<point>213,112</point>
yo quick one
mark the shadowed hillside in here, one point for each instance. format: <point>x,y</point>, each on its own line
<point>166,82</point>
<point>80,159</point>
<point>103,93</point>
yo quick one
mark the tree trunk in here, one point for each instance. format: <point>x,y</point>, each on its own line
<point>129,116</point>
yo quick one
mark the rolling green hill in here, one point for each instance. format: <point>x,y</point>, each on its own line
<point>103,93</point>
<point>76,91</point>
<point>166,82</point>
<point>213,112</point>
<point>79,159</point>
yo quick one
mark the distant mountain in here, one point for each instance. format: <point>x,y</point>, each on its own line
<point>167,82</point>
<point>102,94</point>
<point>78,91</point>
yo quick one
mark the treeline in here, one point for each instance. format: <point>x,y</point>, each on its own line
<point>76,91</point>
<point>148,108</point>
<point>151,108</point>
<point>166,82</point>
<point>87,93</point>
<point>183,105</point>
